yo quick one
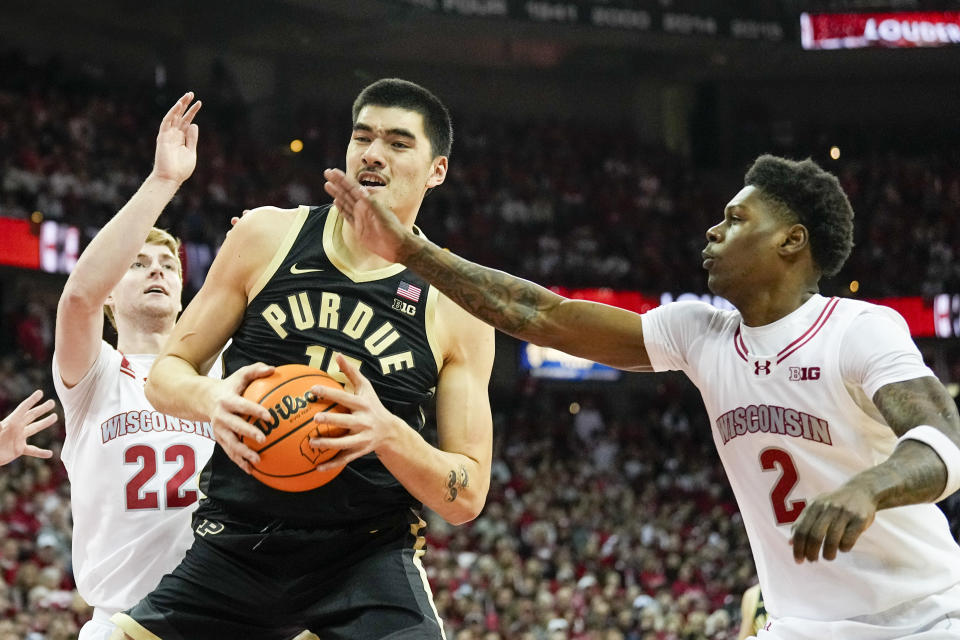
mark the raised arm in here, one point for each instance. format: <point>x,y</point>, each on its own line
<point>513,305</point>
<point>914,473</point>
<point>79,326</point>
<point>176,385</point>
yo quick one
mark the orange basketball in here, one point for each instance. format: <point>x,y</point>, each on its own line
<point>287,460</point>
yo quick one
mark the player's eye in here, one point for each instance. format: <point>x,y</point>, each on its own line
<point>137,265</point>
<point>169,267</point>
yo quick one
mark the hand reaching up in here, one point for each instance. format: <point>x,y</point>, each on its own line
<point>26,420</point>
<point>176,155</point>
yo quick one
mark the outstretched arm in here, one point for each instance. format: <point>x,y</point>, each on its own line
<point>513,305</point>
<point>101,266</point>
<point>913,474</point>
<point>26,420</point>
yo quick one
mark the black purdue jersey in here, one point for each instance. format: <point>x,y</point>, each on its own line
<point>310,307</point>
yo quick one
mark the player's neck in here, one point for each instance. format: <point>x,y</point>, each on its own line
<point>355,253</point>
<point>142,340</point>
<point>764,307</point>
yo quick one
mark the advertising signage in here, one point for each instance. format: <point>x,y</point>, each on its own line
<point>48,246</point>
<point>937,317</point>
<point>900,30</point>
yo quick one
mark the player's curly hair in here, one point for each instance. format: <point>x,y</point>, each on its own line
<point>814,198</point>
<point>394,92</point>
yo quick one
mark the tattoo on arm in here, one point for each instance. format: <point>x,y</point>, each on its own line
<point>457,481</point>
<point>508,303</point>
<point>906,404</point>
<point>916,473</point>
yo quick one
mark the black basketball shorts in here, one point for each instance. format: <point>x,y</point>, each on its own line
<point>241,580</point>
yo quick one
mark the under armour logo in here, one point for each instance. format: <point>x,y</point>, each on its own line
<point>209,526</point>
<point>764,367</point>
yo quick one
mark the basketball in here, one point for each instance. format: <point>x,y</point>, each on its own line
<point>287,460</point>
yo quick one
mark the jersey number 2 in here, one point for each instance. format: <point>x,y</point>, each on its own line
<point>770,459</point>
<point>146,456</point>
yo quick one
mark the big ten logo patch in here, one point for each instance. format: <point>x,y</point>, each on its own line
<point>404,307</point>
<point>804,373</point>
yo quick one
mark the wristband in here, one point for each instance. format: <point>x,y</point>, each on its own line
<point>944,447</point>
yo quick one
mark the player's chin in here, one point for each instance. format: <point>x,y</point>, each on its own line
<point>715,283</point>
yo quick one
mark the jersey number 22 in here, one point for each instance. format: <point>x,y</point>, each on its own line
<point>176,496</point>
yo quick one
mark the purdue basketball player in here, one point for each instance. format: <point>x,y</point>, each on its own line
<point>133,471</point>
<point>294,286</point>
<point>753,613</point>
<point>833,433</point>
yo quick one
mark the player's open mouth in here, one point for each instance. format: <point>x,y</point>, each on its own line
<point>157,290</point>
<point>371,180</point>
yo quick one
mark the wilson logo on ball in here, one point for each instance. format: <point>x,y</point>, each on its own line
<point>288,406</point>
<point>288,461</point>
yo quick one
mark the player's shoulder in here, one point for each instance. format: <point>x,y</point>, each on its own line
<point>458,329</point>
<point>863,312</point>
<point>706,317</point>
<point>459,319</point>
<point>261,219</point>
<point>261,231</point>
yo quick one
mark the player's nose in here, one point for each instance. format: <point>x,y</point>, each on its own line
<point>373,155</point>
<point>713,233</point>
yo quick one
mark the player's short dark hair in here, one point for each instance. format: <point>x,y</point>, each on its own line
<point>394,92</point>
<point>815,199</point>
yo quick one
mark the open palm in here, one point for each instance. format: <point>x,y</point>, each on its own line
<point>176,155</point>
<point>374,225</point>
<point>26,420</point>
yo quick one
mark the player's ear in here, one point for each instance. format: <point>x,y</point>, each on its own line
<point>438,172</point>
<point>795,240</point>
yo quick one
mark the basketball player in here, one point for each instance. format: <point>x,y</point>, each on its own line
<point>295,286</point>
<point>753,613</point>
<point>132,470</point>
<point>26,420</point>
<point>834,435</point>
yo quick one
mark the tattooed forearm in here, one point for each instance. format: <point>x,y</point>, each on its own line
<point>914,473</point>
<point>457,481</point>
<point>904,405</point>
<point>510,304</point>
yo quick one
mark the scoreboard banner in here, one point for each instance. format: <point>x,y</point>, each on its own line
<point>936,317</point>
<point>899,30</point>
<point>46,246</point>
<point>686,19</point>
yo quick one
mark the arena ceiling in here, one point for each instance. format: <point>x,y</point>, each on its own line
<point>405,32</point>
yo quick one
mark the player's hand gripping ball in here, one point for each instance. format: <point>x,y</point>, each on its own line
<point>287,460</point>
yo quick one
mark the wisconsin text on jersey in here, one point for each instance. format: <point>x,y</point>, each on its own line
<point>300,307</point>
<point>143,421</point>
<point>772,419</point>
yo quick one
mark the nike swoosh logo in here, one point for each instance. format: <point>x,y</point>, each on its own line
<point>296,271</point>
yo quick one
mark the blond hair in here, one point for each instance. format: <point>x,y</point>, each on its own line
<point>163,238</point>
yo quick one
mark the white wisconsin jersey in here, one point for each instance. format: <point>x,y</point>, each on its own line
<point>791,416</point>
<point>133,480</point>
